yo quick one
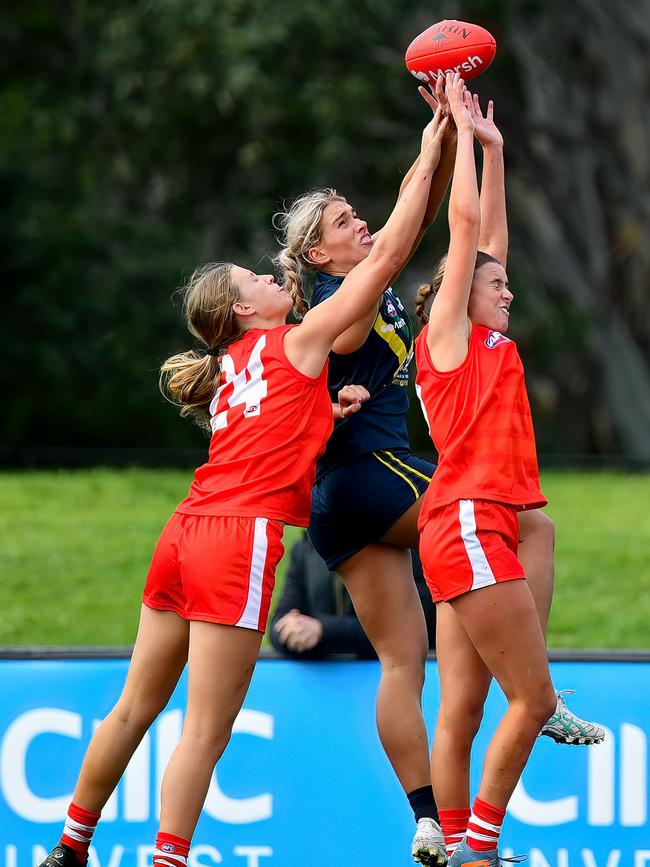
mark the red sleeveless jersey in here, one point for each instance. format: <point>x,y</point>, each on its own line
<point>480,423</point>
<point>269,423</point>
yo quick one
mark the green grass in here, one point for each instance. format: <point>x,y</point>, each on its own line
<point>602,579</point>
<point>76,547</point>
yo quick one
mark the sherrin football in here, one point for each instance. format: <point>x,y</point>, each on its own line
<point>450,46</point>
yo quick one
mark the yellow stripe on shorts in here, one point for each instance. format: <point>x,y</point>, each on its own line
<point>397,472</point>
<point>406,467</point>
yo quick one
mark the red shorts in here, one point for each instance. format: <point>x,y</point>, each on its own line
<point>220,569</point>
<point>467,545</point>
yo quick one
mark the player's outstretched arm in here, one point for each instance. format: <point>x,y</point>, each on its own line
<point>494,222</point>
<point>435,98</point>
<point>448,331</point>
<point>308,345</point>
<point>357,334</point>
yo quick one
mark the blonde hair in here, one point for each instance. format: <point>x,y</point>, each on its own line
<point>430,290</point>
<point>302,228</point>
<point>190,379</point>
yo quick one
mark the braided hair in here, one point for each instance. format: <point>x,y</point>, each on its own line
<point>301,228</point>
<point>430,290</point>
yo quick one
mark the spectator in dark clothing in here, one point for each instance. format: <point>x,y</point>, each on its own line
<point>315,616</point>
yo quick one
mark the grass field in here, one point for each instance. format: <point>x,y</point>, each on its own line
<point>76,547</point>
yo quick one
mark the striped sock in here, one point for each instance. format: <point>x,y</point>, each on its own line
<point>454,826</point>
<point>484,826</point>
<point>170,851</point>
<point>78,831</point>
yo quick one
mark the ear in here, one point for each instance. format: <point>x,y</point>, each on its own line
<point>243,309</point>
<point>318,256</point>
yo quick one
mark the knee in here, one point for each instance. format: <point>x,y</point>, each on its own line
<point>462,718</point>
<point>539,704</point>
<point>407,665</point>
<point>546,529</point>
<point>539,525</point>
<point>209,737</point>
<point>138,715</point>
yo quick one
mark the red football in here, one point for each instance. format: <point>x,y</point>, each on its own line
<point>450,46</point>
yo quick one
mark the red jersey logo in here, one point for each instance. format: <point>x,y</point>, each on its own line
<point>494,338</point>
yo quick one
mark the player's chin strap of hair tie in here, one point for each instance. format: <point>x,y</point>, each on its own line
<point>208,351</point>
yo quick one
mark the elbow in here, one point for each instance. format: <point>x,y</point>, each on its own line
<point>388,257</point>
<point>467,219</point>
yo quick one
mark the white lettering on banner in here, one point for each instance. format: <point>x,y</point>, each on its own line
<point>633,776</point>
<point>144,856</point>
<point>194,858</point>
<point>600,782</point>
<point>253,854</point>
<point>542,813</point>
<point>241,811</point>
<point>39,853</point>
<point>601,787</point>
<point>135,787</point>
<point>208,856</point>
<point>13,777</point>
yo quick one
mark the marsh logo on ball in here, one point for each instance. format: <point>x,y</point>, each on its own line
<point>494,338</point>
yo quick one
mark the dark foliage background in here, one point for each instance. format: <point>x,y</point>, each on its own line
<point>140,138</point>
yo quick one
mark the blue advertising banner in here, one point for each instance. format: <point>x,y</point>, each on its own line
<point>304,778</point>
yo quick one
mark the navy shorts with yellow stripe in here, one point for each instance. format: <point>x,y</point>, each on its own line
<point>355,504</point>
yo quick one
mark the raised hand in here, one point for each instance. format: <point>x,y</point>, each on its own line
<point>435,97</point>
<point>432,137</point>
<point>459,100</point>
<point>485,129</point>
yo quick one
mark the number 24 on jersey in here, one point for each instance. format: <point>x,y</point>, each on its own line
<point>248,387</point>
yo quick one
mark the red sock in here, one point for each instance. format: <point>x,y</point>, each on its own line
<point>170,851</point>
<point>454,826</point>
<point>484,826</point>
<point>78,831</point>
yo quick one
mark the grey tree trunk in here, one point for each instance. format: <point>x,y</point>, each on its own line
<point>579,193</point>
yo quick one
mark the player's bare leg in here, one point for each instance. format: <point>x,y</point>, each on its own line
<point>221,664</point>
<point>461,709</point>
<point>536,554</point>
<point>159,656</point>
<point>459,717</point>
<point>380,582</point>
<point>503,625</point>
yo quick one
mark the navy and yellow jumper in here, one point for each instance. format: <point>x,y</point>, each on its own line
<point>368,476</point>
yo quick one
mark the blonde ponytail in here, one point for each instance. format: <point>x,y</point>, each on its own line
<point>190,379</point>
